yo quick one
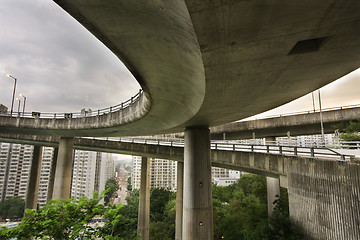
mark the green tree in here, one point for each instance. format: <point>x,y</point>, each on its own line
<point>122,220</point>
<point>282,227</point>
<point>12,208</point>
<point>240,210</point>
<point>129,186</point>
<point>159,197</point>
<point>111,186</point>
<point>349,130</point>
<point>59,219</point>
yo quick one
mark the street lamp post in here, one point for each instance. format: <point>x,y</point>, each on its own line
<point>22,95</point>
<point>12,102</point>
<point>321,120</point>
<point>18,106</point>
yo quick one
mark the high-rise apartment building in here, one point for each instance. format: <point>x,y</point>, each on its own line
<point>162,173</point>
<point>46,165</point>
<point>15,161</point>
<point>86,173</point>
<point>90,172</point>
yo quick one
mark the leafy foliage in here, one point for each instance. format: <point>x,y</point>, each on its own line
<point>122,220</point>
<point>59,219</point>
<point>282,227</point>
<point>239,210</point>
<point>12,208</point>
<point>112,186</point>
<point>349,130</point>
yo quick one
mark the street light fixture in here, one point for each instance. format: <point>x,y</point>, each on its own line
<point>12,102</point>
<point>321,121</point>
<point>22,95</point>
<point>18,106</point>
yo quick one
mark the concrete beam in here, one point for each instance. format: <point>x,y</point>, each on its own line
<point>259,163</point>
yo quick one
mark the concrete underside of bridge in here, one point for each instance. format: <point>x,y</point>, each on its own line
<point>210,63</point>
<point>206,63</point>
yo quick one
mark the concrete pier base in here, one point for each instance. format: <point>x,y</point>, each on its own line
<point>179,201</point>
<point>62,181</point>
<point>144,200</point>
<point>273,190</point>
<point>197,202</point>
<point>34,179</point>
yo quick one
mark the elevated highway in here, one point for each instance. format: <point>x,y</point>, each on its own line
<point>267,160</point>
<point>305,123</point>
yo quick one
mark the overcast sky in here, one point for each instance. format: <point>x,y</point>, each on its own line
<point>61,67</point>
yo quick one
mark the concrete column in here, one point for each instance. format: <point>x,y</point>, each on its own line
<point>52,174</point>
<point>273,189</point>
<point>63,171</point>
<point>272,185</point>
<point>179,201</point>
<point>34,179</point>
<point>197,202</point>
<point>144,200</point>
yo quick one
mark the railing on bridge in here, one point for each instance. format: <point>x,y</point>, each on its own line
<point>118,107</point>
<point>301,112</point>
<point>255,145</point>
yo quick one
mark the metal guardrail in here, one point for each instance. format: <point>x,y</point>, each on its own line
<point>256,146</point>
<point>118,107</point>
<point>303,112</point>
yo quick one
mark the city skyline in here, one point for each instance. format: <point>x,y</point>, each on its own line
<point>58,64</point>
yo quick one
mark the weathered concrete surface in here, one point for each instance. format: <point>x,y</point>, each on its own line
<point>34,179</point>
<point>258,163</point>
<point>63,171</point>
<point>143,226</point>
<point>212,62</point>
<point>179,200</point>
<point>324,198</point>
<point>300,124</point>
<point>197,195</point>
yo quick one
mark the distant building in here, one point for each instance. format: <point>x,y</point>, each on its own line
<point>3,109</point>
<point>225,177</point>
<point>15,161</point>
<point>162,173</point>
<point>85,176</point>
<point>46,165</point>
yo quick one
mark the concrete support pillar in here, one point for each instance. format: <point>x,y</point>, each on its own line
<point>52,174</point>
<point>273,190</point>
<point>144,200</point>
<point>34,179</point>
<point>197,202</point>
<point>63,171</point>
<point>272,184</point>
<point>179,201</point>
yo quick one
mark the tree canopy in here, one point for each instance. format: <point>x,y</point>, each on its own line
<point>12,208</point>
<point>239,210</point>
<point>349,130</point>
<point>111,186</point>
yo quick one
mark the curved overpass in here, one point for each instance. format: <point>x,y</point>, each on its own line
<point>209,63</point>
